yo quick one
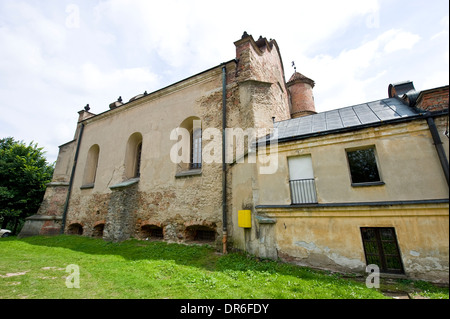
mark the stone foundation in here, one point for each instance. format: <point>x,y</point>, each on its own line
<point>41,225</point>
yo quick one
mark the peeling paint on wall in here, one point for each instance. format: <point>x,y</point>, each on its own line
<point>414,253</point>
<point>335,257</point>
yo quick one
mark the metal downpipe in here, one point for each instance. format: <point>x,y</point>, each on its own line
<point>224,165</point>
<point>439,145</point>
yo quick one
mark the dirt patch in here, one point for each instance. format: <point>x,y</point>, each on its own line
<point>52,268</point>
<point>12,274</point>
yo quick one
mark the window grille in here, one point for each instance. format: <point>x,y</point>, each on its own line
<point>156,232</point>
<point>138,160</point>
<point>303,191</point>
<point>207,235</point>
<point>152,231</point>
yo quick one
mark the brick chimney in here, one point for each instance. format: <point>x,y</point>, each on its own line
<point>301,92</point>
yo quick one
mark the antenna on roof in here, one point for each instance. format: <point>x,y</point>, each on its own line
<point>295,68</point>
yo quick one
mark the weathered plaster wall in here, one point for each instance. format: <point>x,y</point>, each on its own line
<point>330,238</point>
<point>158,197</point>
<point>64,162</point>
<point>401,150</point>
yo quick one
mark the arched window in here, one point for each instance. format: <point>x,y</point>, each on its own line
<point>133,156</point>
<point>90,170</point>
<point>194,127</point>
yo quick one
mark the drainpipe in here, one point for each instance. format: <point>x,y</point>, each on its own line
<point>224,165</point>
<point>66,204</point>
<point>438,144</point>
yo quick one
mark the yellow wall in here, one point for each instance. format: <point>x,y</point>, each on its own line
<point>330,237</point>
<point>407,160</point>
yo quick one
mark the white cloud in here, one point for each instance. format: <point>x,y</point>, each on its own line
<point>50,69</point>
<point>444,33</point>
<point>96,80</point>
<point>350,77</point>
<point>197,34</point>
<point>400,40</point>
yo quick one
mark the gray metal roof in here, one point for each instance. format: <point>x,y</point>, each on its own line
<point>347,117</point>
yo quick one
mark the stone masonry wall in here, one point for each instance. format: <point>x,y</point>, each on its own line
<point>256,92</point>
<point>121,214</point>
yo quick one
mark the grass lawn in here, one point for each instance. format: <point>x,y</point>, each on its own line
<point>35,267</point>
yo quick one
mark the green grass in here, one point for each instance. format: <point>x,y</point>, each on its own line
<point>35,267</point>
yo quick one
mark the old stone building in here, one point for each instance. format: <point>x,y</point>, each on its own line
<point>237,156</point>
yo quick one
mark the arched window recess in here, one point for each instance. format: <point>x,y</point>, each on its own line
<point>189,147</point>
<point>90,169</point>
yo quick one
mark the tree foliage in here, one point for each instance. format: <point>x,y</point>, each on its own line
<point>24,173</point>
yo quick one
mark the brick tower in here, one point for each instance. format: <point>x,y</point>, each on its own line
<point>301,94</point>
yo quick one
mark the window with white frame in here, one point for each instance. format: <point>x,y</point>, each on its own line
<point>301,180</point>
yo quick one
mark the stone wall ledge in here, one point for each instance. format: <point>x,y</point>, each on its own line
<point>53,184</point>
<point>43,217</point>
<point>190,172</point>
<point>126,183</point>
<point>265,220</point>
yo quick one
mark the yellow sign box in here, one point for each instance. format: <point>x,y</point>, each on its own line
<point>245,218</point>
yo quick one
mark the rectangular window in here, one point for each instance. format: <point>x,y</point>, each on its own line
<point>138,160</point>
<point>196,154</point>
<point>381,248</point>
<point>301,180</point>
<point>363,167</point>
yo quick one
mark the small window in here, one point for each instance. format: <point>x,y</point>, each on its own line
<point>363,166</point>
<point>189,147</point>
<point>75,229</point>
<point>97,232</point>
<point>152,232</point>
<point>138,160</point>
<point>200,233</point>
<point>196,149</point>
<point>205,235</point>
<point>301,180</point>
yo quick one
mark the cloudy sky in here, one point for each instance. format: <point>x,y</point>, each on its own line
<point>56,55</point>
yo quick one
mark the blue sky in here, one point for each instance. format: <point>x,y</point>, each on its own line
<point>57,56</point>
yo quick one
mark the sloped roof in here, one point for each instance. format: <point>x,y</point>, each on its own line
<point>332,121</point>
<point>298,77</point>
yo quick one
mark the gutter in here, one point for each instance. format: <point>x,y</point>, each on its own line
<point>224,165</point>
<point>66,204</point>
<point>356,204</point>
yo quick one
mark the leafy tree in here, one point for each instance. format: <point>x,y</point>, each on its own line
<point>24,173</point>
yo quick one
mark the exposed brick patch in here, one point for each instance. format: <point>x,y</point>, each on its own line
<point>433,100</point>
